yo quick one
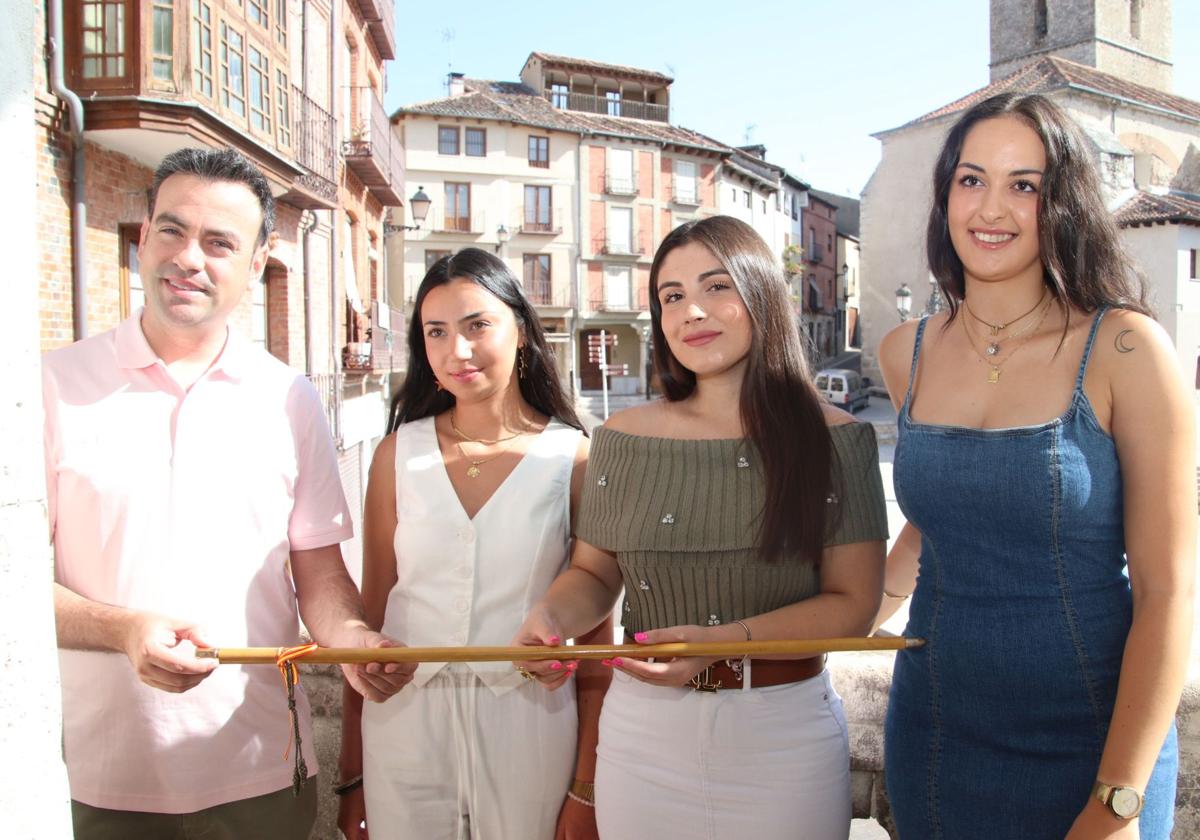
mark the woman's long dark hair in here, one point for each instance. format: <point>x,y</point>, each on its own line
<point>419,397</point>
<point>780,409</point>
<point>1084,265</point>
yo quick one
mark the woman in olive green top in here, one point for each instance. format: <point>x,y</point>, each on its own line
<point>741,506</point>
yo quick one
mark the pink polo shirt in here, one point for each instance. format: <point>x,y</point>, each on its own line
<point>185,504</point>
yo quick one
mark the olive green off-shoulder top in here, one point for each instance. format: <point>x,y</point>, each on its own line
<point>681,516</point>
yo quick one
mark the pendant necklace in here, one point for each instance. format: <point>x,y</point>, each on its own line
<point>990,358</point>
<point>993,347</point>
<point>473,470</point>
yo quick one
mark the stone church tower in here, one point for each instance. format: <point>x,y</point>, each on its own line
<point>1130,39</point>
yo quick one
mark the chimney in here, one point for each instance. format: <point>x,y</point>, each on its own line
<point>455,82</point>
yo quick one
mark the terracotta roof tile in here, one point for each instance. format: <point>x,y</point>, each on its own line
<point>514,102</point>
<point>1053,73</point>
<point>1147,209</point>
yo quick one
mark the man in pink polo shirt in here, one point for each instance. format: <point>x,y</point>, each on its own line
<point>194,501</point>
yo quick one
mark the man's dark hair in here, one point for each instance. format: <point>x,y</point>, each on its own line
<point>219,165</point>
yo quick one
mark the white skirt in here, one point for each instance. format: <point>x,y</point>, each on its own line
<point>757,764</point>
<point>451,760</point>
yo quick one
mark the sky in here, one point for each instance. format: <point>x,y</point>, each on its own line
<point>809,79</point>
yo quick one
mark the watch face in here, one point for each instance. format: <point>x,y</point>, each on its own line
<point>1125,802</point>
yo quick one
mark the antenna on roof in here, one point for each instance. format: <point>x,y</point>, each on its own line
<point>748,137</point>
<point>448,38</point>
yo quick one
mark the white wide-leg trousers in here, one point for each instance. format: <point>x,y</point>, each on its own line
<point>452,761</point>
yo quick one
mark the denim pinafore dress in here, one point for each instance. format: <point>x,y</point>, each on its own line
<point>995,727</point>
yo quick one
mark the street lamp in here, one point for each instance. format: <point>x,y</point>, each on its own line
<point>904,301</point>
<point>420,209</point>
<point>934,304</point>
<point>501,237</point>
<point>647,335</point>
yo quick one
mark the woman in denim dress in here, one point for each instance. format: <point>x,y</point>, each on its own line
<point>1046,465</point>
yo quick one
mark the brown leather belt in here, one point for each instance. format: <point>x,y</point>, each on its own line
<point>727,673</point>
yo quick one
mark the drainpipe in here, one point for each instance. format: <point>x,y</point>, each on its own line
<point>308,219</point>
<point>335,27</point>
<point>580,273</point>
<point>307,223</point>
<point>78,205</point>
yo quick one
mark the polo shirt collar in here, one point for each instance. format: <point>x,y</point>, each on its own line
<point>135,352</point>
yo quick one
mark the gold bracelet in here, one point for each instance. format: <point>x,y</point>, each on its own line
<point>583,792</point>
<point>897,597</point>
<point>744,627</point>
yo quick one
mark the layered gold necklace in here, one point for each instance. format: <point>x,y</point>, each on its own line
<point>473,470</point>
<point>990,356</point>
<point>993,346</point>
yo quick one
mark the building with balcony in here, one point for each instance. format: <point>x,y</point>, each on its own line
<point>640,177</point>
<point>582,192</point>
<point>499,165</point>
<point>594,87</point>
<point>296,87</point>
<point>846,290</point>
<point>819,316</point>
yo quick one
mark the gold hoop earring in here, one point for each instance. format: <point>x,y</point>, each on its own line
<point>438,384</point>
<point>521,368</point>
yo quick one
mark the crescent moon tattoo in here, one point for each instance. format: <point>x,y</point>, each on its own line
<point>1120,342</point>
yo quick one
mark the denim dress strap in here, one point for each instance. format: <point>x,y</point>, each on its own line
<point>912,371</point>
<point>1087,349</point>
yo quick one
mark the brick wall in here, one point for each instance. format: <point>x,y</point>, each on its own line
<point>596,170</point>
<point>645,228</point>
<point>115,196</point>
<point>708,185</point>
<point>645,174</point>
<point>596,227</point>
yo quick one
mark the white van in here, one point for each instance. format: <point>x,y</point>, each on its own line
<point>843,388</point>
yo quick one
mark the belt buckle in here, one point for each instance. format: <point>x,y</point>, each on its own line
<point>703,681</point>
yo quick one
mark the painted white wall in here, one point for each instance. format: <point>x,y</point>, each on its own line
<point>894,212</point>
<point>732,190</point>
<point>33,782</point>
<point>1163,253</point>
<point>497,183</point>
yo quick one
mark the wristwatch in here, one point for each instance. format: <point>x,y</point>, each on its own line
<point>1125,802</point>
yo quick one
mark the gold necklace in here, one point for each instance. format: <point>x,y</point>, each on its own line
<point>467,437</point>
<point>990,360</point>
<point>993,348</point>
<point>473,471</point>
<point>996,328</point>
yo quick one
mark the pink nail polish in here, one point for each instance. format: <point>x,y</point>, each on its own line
<point>555,666</point>
<point>616,660</point>
<point>607,662</point>
<point>554,640</point>
<point>641,637</point>
<point>571,666</point>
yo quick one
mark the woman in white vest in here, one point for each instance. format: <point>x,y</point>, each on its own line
<point>468,520</point>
